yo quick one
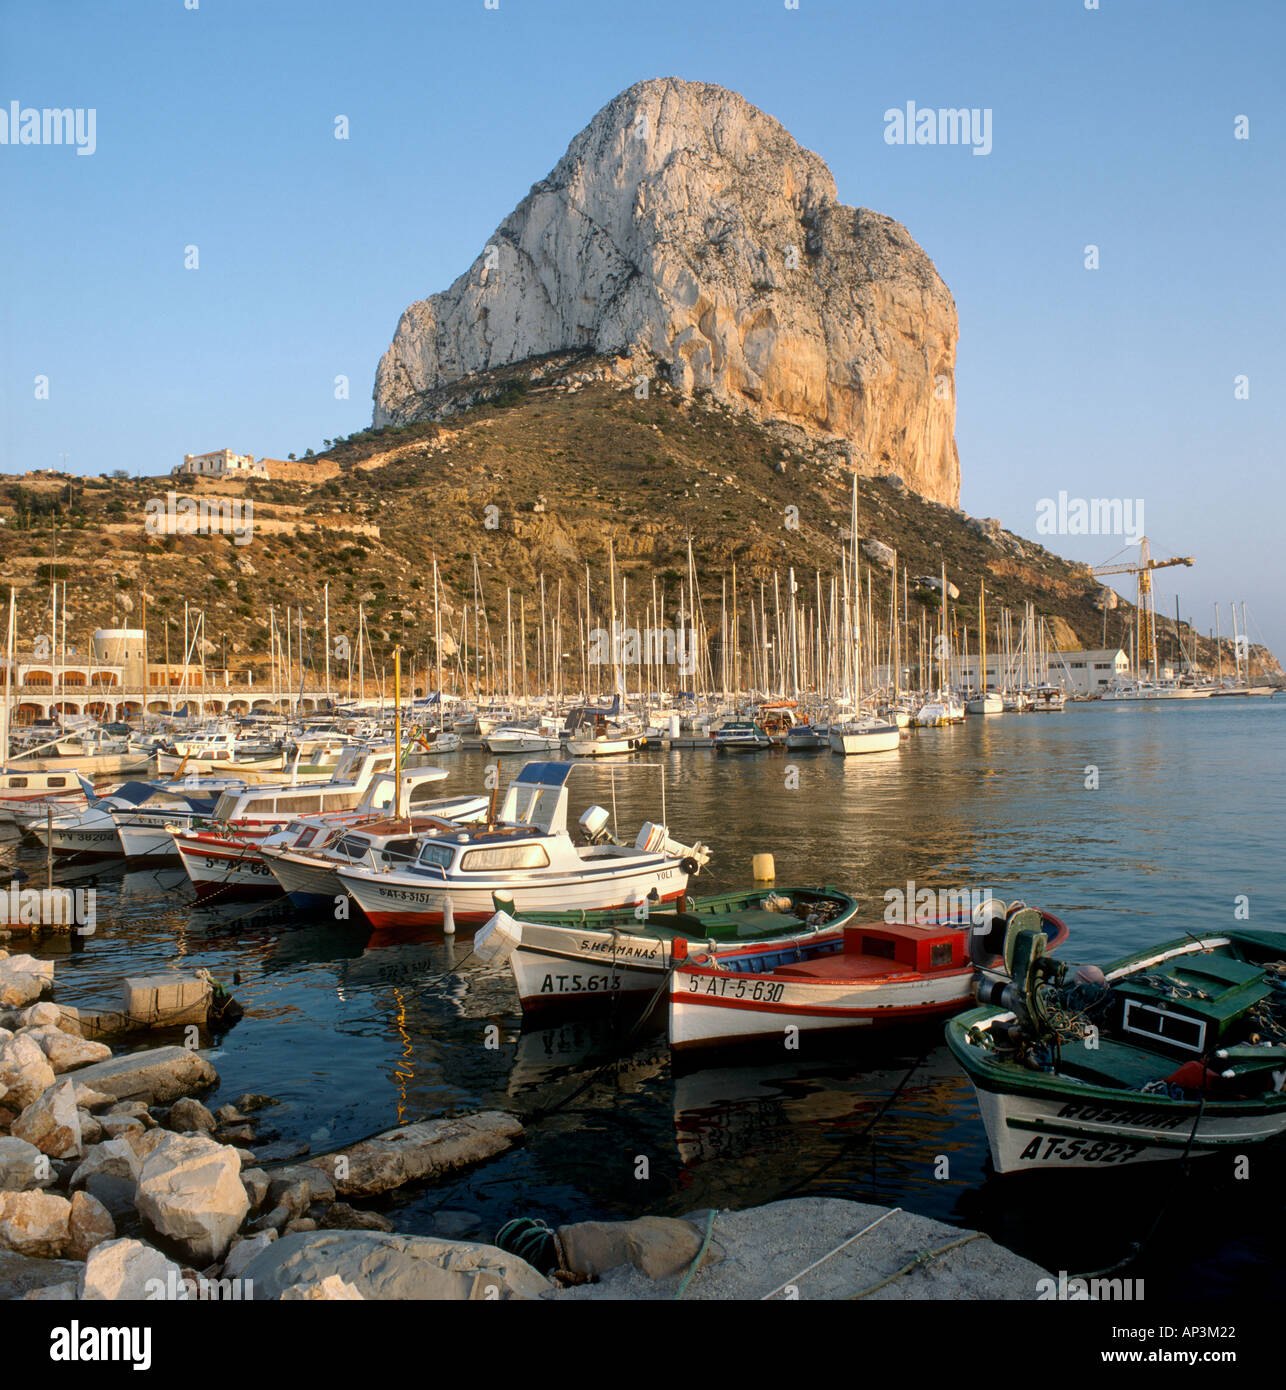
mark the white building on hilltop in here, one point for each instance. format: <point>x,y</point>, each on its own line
<point>222,463</point>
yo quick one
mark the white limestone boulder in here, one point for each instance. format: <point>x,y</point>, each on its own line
<point>34,1223</point>
<point>116,1158</point>
<point>418,1151</point>
<point>383,1266</point>
<point>23,1166</point>
<point>190,1190</point>
<point>66,1052</point>
<point>158,1076</point>
<point>24,1071</point>
<point>127,1269</point>
<point>52,1122</point>
<point>89,1224</point>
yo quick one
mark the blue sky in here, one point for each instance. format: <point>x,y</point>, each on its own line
<point>1112,127</point>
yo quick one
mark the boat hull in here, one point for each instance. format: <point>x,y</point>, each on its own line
<point>879,739</point>
<point>709,1008</point>
<point>394,904</point>
<point>1111,1129</point>
<point>604,747</point>
<point>306,880</point>
<point>224,869</point>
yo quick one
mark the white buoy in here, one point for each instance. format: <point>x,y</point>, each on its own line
<point>448,916</point>
<point>763,868</point>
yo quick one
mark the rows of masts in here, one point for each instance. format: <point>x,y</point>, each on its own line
<point>819,640</point>
<point>824,641</point>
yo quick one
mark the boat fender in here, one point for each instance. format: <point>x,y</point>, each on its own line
<point>532,1240</point>
<point>689,866</point>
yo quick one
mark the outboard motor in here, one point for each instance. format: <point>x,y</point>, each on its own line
<point>595,824</point>
<point>1028,968</point>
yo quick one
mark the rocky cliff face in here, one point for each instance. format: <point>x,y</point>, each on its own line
<point>686,233</point>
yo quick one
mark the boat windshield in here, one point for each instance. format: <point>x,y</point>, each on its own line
<point>438,855</point>
<point>531,804</point>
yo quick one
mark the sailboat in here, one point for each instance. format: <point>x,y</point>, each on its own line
<point>989,701</point>
<point>863,733</point>
<point>943,707</point>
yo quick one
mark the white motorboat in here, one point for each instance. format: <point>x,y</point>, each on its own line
<point>991,702</point>
<point>866,735</point>
<point>95,830</point>
<point>542,737</point>
<point>529,858</point>
<point>740,736</point>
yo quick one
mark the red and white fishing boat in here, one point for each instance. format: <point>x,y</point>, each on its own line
<point>874,976</point>
<point>222,857</point>
<point>528,857</point>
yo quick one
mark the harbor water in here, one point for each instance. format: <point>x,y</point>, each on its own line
<point>1134,823</point>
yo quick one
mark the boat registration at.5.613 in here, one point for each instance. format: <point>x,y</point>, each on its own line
<point>574,984</point>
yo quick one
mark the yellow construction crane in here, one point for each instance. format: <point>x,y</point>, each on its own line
<point>1145,614</point>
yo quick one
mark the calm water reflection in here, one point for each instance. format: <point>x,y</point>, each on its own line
<point>354,1033</point>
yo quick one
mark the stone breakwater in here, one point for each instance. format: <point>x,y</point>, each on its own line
<point>118,1182</point>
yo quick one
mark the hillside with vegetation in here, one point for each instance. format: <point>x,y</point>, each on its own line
<point>533,471</point>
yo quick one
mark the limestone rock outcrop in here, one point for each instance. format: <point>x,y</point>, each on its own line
<point>685,232</point>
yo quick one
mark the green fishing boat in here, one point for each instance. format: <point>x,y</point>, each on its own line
<point>1172,1052</point>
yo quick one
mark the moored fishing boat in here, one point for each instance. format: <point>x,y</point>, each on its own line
<point>1174,1051</point>
<point>527,855</point>
<point>307,864</point>
<point>220,855</point>
<point>541,737</point>
<point>1048,699</point>
<point>876,975</point>
<point>990,702</point>
<point>566,958</point>
<point>24,792</point>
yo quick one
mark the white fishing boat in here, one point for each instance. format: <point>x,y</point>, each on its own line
<point>1172,1053</point>
<point>306,865</point>
<point>1048,699</point>
<point>529,857</point>
<point>236,866</point>
<point>604,739</point>
<point>220,855</point>
<point>990,702</point>
<point>92,743</point>
<point>562,959</point>
<point>443,741</point>
<point>933,714</point>
<point>22,793</point>
<point>808,737</point>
